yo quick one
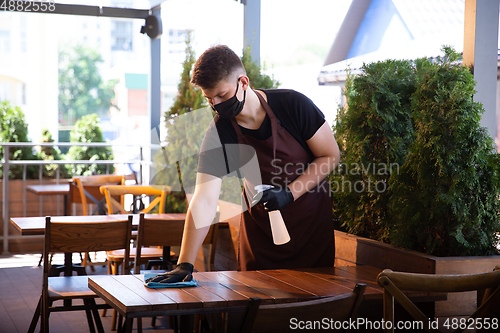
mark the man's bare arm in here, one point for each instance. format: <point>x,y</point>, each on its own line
<point>200,214</point>
<point>327,156</point>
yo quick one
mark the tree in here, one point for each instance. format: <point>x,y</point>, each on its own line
<point>86,130</point>
<point>13,128</point>
<point>51,153</point>
<point>183,136</point>
<point>258,80</point>
<point>445,199</point>
<point>412,132</point>
<point>374,132</point>
<point>81,88</point>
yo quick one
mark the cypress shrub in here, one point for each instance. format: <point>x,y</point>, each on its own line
<point>373,132</point>
<point>445,200</point>
<point>414,127</point>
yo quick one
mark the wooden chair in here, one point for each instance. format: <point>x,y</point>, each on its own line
<point>155,231</point>
<point>88,189</point>
<point>160,193</point>
<point>276,317</point>
<point>84,190</point>
<point>115,258</point>
<point>69,237</point>
<point>394,283</point>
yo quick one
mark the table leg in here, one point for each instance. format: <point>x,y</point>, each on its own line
<point>66,205</point>
<point>186,323</point>
<point>68,264</point>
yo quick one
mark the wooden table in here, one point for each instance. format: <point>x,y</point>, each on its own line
<point>229,291</point>
<point>36,226</point>
<point>52,189</point>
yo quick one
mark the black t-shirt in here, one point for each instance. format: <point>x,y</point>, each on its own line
<point>296,113</point>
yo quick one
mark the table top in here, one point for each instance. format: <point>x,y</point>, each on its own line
<point>36,225</point>
<point>227,291</point>
<point>49,189</point>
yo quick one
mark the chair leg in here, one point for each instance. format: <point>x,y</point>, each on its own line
<point>36,315</point>
<point>44,318</point>
<point>113,321</point>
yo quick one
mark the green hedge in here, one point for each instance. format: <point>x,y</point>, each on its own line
<point>411,130</point>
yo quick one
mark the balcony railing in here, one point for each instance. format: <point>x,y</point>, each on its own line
<point>138,161</point>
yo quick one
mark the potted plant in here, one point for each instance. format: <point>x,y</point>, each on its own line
<point>419,177</point>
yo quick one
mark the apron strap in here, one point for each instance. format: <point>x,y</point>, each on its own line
<point>274,124</point>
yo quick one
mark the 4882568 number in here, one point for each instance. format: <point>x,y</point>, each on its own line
<point>28,5</point>
<point>472,323</point>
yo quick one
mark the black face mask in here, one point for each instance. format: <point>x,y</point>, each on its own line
<point>232,107</point>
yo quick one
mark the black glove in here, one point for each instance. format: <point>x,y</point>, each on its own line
<point>276,198</point>
<point>182,273</point>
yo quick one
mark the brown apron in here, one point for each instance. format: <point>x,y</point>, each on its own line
<point>309,219</point>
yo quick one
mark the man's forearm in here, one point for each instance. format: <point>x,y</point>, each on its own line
<point>198,221</point>
<point>319,168</point>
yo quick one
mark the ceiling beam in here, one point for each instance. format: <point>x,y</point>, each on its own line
<point>68,9</point>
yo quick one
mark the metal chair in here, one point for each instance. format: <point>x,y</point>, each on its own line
<point>69,237</point>
<point>394,283</point>
<point>276,317</point>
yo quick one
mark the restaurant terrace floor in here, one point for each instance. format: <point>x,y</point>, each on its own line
<point>20,288</point>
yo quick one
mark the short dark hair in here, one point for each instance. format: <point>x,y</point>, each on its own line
<point>217,63</point>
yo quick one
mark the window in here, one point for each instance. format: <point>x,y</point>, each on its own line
<point>4,41</point>
<point>121,35</point>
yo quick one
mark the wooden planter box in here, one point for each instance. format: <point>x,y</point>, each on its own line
<point>352,250</point>
<point>50,205</point>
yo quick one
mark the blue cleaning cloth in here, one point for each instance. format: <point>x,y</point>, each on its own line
<point>154,285</point>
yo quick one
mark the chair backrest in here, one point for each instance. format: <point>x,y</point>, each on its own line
<point>84,236</point>
<point>110,191</point>
<point>156,231</point>
<point>396,283</point>
<point>83,188</point>
<point>278,317</point>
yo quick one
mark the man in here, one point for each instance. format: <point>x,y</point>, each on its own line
<point>295,149</point>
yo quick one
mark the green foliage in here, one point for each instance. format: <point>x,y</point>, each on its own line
<point>447,191</point>
<point>189,97</point>
<point>87,130</point>
<point>183,137</point>
<point>51,154</point>
<point>373,134</point>
<point>442,198</point>
<point>81,88</point>
<point>13,128</point>
<point>258,80</point>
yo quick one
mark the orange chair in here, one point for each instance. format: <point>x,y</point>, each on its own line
<point>88,188</point>
<point>85,190</point>
<point>110,191</point>
<point>115,258</point>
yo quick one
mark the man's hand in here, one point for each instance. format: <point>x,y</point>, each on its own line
<point>275,198</point>
<point>182,273</point>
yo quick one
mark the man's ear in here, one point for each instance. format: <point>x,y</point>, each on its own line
<point>245,82</point>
